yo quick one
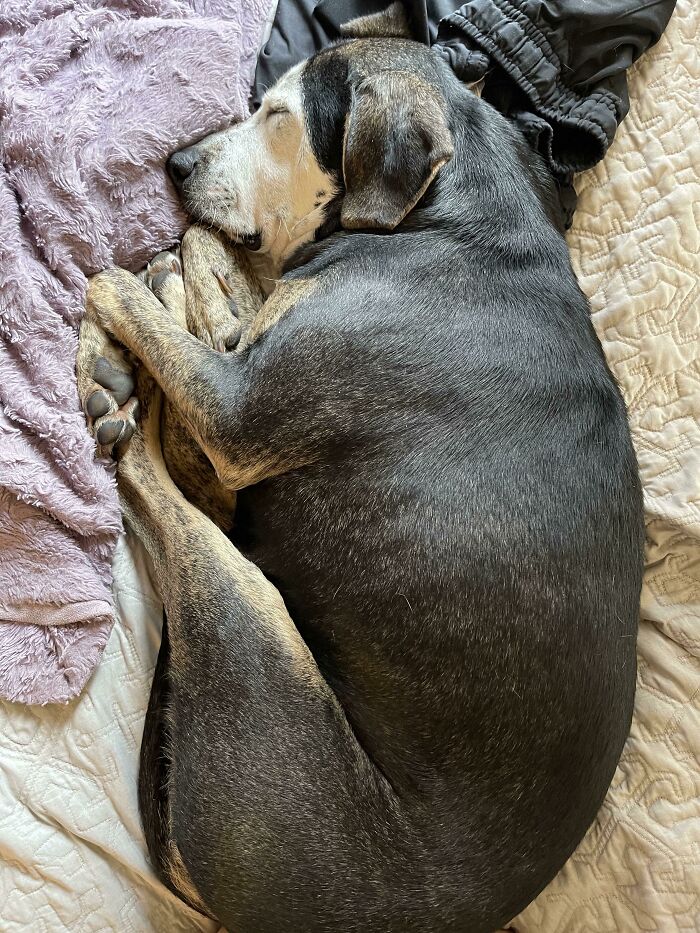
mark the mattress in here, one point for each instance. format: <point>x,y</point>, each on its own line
<point>72,855</point>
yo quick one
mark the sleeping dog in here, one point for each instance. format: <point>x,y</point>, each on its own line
<point>393,695</point>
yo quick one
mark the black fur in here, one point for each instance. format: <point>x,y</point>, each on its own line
<point>326,100</point>
<point>153,770</point>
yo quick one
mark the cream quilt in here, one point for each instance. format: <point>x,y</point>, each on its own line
<point>71,852</point>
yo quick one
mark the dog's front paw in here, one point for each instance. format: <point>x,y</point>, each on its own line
<point>163,276</point>
<point>106,387</point>
<point>210,313</point>
<point>210,272</point>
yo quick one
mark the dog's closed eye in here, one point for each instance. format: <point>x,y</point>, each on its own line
<point>276,111</point>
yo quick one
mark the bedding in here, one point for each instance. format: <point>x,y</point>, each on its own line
<point>73,856</point>
<point>635,247</point>
<point>94,95</point>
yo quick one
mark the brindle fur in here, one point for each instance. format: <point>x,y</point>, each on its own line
<point>185,460</point>
<point>392,700</point>
<point>215,272</point>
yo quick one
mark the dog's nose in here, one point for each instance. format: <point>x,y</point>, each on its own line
<point>181,164</point>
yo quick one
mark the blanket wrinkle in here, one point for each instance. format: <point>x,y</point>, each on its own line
<point>94,95</point>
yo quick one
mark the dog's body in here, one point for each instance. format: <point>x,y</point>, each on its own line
<point>434,469</point>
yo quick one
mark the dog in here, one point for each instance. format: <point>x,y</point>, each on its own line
<point>392,694</point>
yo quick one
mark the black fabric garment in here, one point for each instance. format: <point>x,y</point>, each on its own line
<point>556,68</point>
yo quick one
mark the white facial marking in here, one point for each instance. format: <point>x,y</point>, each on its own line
<point>261,176</point>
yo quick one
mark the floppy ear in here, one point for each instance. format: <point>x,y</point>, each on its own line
<point>396,141</point>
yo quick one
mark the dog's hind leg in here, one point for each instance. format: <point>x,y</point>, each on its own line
<point>272,814</point>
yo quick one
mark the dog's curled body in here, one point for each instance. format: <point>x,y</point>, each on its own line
<point>463,555</point>
<point>434,468</point>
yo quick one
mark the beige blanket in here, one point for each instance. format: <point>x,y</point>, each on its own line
<point>72,856</point>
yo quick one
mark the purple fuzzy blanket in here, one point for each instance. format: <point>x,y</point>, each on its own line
<point>94,94</point>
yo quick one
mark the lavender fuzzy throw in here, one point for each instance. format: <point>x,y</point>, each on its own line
<point>94,94</point>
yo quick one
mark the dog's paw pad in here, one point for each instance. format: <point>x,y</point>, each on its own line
<point>119,383</point>
<point>114,429</point>
<point>159,280</point>
<point>110,431</point>
<point>98,404</point>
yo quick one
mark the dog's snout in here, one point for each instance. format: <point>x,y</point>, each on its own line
<point>181,164</point>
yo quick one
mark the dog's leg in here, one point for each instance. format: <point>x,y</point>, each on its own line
<point>189,372</point>
<point>223,294</point>
<point>187,463</point>
<point>266,789</point>
<point>210,389</point>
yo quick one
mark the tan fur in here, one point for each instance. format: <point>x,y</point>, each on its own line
<point>214,272</point>
<point>181,880</point>
<point>237,476</point>
<point>391,22</point>
<point>192,472</point>
<point>477,86</point>
<point>283,298</point>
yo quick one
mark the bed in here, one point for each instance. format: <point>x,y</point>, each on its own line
<point>72,855</point>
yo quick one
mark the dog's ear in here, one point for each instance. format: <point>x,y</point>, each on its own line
<point>396,141</point>
<point>388,22</point>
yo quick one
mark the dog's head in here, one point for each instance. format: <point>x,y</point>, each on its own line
<point>363,126</point>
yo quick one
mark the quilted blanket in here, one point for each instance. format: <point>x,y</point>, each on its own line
<point>73,857</point>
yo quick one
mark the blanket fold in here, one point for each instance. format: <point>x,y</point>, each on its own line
<point>94,96</point>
